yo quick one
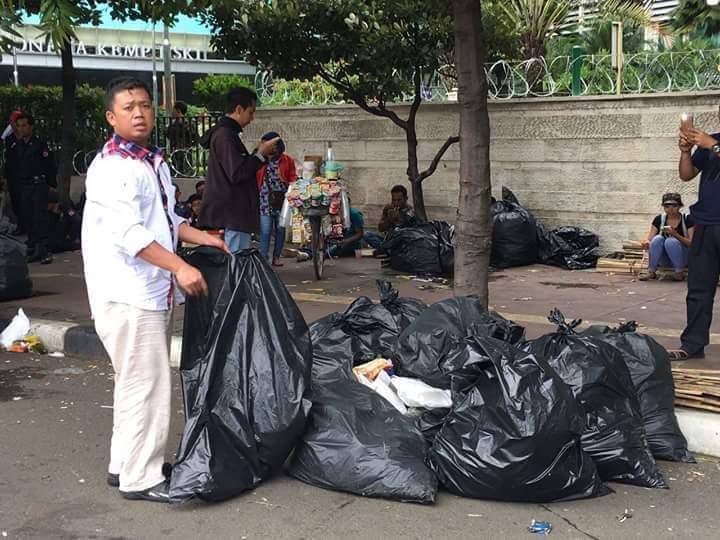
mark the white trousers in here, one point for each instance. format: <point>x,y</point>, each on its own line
<point>137,342</point>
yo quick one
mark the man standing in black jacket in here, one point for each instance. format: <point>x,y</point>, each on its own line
<point>231,198</point>
<point>30,164</point>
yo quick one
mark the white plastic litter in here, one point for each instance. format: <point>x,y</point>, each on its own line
<point>381,385</point>
<point>415,393</point>
<point>18,328</point>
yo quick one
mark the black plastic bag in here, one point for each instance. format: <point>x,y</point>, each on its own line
<point>15,282</point>
<point>427,249</point>
<point>363,332</point>
<point>568,247</point>
<point>651,373</point>
<point>601,383</point>
<point>430,422</point>
<point>513,433</point>
<point>425,344</point>
<point>514,233</point>
<point>249,400</point>
<point>358,443</point>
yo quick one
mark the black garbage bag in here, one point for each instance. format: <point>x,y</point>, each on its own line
<point>600,380</point>
<point>250,397</point>
<point>425,344</point>
<point>568,247</point>
<point>513,433</point>
<point>430,422</point>
<point>358,443</point>
<point>427,249</point>
<point>363,332</point>
<point>15,282</point>
<point>514,233</point>
<point>651,373</point>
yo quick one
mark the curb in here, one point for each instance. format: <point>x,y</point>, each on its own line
<point>81,340</point>
<point>701,429</point>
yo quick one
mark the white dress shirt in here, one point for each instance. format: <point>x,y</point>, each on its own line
<point>123,215</point>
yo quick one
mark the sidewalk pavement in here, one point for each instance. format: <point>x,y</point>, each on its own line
<point>524,295</point>
<point>60,315</point>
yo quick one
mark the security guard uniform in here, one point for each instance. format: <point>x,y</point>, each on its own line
<point>29,163</point>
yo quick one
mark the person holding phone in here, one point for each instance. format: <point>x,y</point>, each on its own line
<point>704,255</point>
<point>669,239</point>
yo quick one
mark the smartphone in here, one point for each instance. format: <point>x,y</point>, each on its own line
<point>687,120</point>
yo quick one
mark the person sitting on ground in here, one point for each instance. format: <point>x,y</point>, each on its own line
<point>396,214</point>
<point>181,209</point>
<point>273,179</point>
<point>352,237</point>
<point>64,226</point>
<point>669,239</point>
<point>193,205</point>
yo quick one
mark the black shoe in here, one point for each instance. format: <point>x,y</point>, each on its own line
<point>158,493</point>
<point>47,259</point>
<point>113,480</point>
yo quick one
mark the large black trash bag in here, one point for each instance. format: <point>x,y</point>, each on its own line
<point>601,383</point>
<point>651,373</point>
<point>430,422</point>
<point>15,282</point>
<point>513,433</point>
<point>514,233</point>
<point>365,330</point>
<point>424,345</point>
<point>568,247</point>
<point>358,443</point>
<point>250,399</point>
<point>427,249</point>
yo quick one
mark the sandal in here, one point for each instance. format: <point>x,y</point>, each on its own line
<point>681,355</point>
<point>276,262</point>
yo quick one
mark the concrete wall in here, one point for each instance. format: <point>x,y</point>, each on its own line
<point>601,163</point>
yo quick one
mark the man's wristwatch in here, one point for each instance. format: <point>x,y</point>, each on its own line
<point>716,149</point>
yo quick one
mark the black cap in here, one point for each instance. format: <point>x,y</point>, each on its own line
<point>670,198</point>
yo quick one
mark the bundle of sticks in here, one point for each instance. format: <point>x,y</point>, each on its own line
<point>631,260</point>
<point>697,388</point>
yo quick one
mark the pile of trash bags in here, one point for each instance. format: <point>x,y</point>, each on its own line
<point>15,282</point>
<point>395,399</point>
<point>500,417</point>
<point>517,240</point>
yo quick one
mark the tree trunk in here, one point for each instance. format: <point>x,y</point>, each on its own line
<point>473,229</point>
<point>413,170</point>
<point>69,115</point>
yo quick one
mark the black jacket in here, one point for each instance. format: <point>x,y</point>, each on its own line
<point>29,162</point>
<point>231,199</point>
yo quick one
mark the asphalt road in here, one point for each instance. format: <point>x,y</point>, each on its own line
<point>54,425</point>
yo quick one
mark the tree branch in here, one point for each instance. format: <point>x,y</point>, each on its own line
<point>436,160</point>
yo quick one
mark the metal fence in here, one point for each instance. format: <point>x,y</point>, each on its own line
<point>178,139</point>
<point>642,73</point>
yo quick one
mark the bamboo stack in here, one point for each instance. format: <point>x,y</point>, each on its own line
<point>697,388</point>
<point>631,260</point>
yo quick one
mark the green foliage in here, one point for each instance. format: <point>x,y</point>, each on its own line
<point>697,18</point>
<point>297,92</point>
<point>211,90</point>
<point>535,21</point>
<point>44,103</point>
<point>500,37</point>
<point>366,49</point>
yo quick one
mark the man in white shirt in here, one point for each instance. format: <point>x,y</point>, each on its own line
<point>129,235</point>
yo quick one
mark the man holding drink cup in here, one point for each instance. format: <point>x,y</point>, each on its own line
<point>704,257</point>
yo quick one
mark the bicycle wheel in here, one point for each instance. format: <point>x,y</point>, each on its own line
<point>318,245</point>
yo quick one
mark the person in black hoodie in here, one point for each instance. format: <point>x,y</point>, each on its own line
<point>231,198</point>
